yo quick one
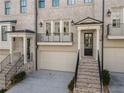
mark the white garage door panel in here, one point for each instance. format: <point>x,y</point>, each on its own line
<point>62,61</point>
<point>114,59</point>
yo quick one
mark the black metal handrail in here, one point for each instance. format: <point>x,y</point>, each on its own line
<point>14,70</point>
<point>55,37</point>
<point>5,62</point>
<point>76,70</point>
<point>100,72</point>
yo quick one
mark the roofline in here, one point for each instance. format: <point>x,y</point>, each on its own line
<point>21,31</point>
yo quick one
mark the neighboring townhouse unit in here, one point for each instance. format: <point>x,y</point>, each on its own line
<point>50,33</point>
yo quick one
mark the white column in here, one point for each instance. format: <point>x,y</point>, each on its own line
<point>79,42</point>
<point>11,48</point>
<point>61,29</point>
<point>123,15</point>
<point>25,49</point>
<point>97,43</point>
<point>52,27</point>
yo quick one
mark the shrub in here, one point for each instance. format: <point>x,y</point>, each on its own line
<point>2,91</point>
<point>106,77</point>
<point>71,85</point>
<point>18,77</point>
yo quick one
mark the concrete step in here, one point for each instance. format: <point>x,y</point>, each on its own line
<point>86,90</point>
<point>88,70</point>
<point>89,74</point>
<point>88,77</point>
<point>88,67</point>
<point>88,85</point>
<point>88,80</point>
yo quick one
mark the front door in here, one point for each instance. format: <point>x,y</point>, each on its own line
<point>88,44</point>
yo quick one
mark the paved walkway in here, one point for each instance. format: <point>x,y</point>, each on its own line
<point>117,83</point>
<point>44,81</point>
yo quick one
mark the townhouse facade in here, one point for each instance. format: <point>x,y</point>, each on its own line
<point>63,28</point>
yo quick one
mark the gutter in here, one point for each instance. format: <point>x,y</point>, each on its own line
<point>36,46</point>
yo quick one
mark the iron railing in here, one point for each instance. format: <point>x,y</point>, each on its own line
<point>100,73</point>
<point>76,70</point>
<point>16,68</point>
<point>115,30</point>
<point>55,37</point>
<point>5,62</point>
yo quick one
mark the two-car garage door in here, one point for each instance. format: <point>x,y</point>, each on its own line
<point>61,61</point>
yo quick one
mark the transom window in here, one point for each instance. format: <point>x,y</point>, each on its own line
<point>7,7</point>
<point>87,1</point>
<point>55,3</point>
<point>23,6</point>
<point>3,33</point>
<point>70,2</point>
<point>41,3</point>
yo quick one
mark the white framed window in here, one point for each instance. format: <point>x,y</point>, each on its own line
<point>66,27</point>
<point>48,28</point>
<point>57,28</point>
<point>70,2</point>
<point>3,33</point>
<point>116,18</point>
<point>88,1</point>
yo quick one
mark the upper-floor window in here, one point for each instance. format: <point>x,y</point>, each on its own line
<point>23,6</point>
<point>7,7</point>
<point>55,3</point>
<point>48,28</point>
<point>66,27</point>
<point>70,2</point>
<point>41,3</point>
<point>116,18</point>
<point>57,28</point>
<point>3,33</point>
<point>87,1</point>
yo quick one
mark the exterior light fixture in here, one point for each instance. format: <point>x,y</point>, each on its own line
<point>109,13</point>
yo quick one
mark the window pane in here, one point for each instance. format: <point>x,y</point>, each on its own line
<point>55,3</point>
<point>70,2</point>
<point>66,27</point>
<point>57,27</point>
<point>87,1</point>
<point>41,3</point>
<point>23,6</point>
<point>7,7</point>
<point>4,35</point>
<point>48,28</point>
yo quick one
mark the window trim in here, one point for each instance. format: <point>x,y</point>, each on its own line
<point>88,2</point>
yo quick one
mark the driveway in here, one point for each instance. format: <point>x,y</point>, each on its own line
<point>117,83</point>
<point>44,81</point>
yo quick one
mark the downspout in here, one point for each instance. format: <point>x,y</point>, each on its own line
<point>36,46</point>
<point>103,20</point>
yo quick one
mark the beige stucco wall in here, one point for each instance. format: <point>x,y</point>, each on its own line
<point>3,54</point>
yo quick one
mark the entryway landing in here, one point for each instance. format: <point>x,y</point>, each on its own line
<point>44,81</point>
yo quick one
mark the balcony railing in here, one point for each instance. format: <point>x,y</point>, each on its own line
<point>115,30</point>
<point>55,37</point>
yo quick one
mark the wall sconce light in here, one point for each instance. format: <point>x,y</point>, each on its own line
<point>41,24</point>
<point>109,13</point>
<point>72,22</point>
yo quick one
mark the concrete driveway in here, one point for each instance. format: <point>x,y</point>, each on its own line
<point>44,81</point>
<point>117,83</point>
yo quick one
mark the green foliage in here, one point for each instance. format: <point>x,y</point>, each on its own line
<point>2,91</point>
<point>106,77</point>
<point>71,85</point>
<point>18,77</point>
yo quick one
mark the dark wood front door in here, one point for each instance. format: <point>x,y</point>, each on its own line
<point>88,44</point>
